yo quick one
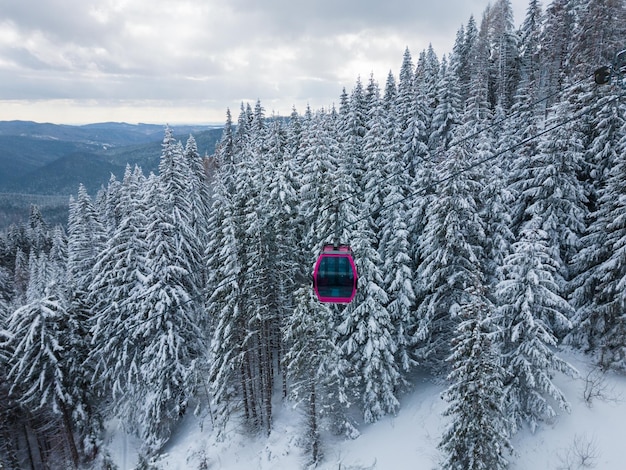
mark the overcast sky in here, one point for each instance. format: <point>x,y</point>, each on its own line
<point>186,61</point>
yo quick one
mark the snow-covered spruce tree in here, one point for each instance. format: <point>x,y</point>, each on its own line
<point>58,256</point>
<point>366,332</point>
<point>170,299</point>
<point>604,155</point>
<point>9,410</point>
<point>227,376</point>
<point>20,278</point>
<point>494,199</point>
<point>446,115</point>
<point>86,416</point>
<point>557,195</point>
<point>352,129</point>
<point>263,305</point>
<point>528,112</point>
<point>38,277</point>
<point>37,231</point>
<point>467,57</point>
<point>495,211</point>
<point>243,302</point>
<point>378,150</point>
<point>602,326</point>
<point>451,247</point>
<point>478,434</point>
<point>396,252</point>
<point>386,187</point>
<point>282,208</point>
<point>367,338</point>
<point>40,375</point>
<point>557,43</point>
<point>325,180</point>
<point>529,304</point>
<point>330,194</point>
<point>199,194</point>
<point>107,202</point>
<point>593,46</point>
<point>530,45</point>
<point>427,75</point>
<point>505,53</point>
<point>404,105</point>
<point>86,237</point>
<point>118,284</point>
<point>163,325</point>
<point>313,365</point>
<point>181,180</point>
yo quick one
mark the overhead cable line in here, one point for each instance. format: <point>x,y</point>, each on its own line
<point>422,191</point>
<point>441,152</point>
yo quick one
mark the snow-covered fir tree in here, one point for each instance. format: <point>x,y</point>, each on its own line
<point>314,368</point>
<point>478,436</point>
<point>529,307</point>
<point>604,157</point>
<point>39,342</point>
<point>452,252</point>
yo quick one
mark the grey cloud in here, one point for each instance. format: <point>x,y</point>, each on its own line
<point>63,20</point>
<point>223,51</point>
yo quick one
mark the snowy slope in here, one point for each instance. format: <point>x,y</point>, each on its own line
<point>591,435</point>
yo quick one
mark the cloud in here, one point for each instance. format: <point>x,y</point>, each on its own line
<point>283,52</point>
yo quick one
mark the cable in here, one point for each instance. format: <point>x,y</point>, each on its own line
<point>440,152</point>
<point>422,191</point>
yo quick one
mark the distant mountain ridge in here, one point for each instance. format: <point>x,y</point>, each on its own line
<point>104,133</point>
<point>53,159</point>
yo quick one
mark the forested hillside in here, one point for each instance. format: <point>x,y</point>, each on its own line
<point>43,164</point>
<point>481,192</point>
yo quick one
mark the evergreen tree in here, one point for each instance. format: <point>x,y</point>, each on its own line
<point>396,252</point>
<point>228,377</point>
<point>452,254</point>
<point>314,367</point>
<point>37,231</point>
<point>86,237</point>
<point>107,202</point>
<point>20,278</point>
<point>557,42</point>
<point>504,53</point>
<point>446,114</point>
<point>530,305</point>
<point>427,77</point>
<point>594,272</point>
<point>116,289</point>
<point>600,322</point>
<point>39,362</point>
<point>478,436</point>
<point>367,334</point>
<point>165,323</point>
<point>244,293</point>
<point>555,195</point>
<point>593,45</point>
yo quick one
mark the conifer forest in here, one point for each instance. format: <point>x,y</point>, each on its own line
<point>483,196</point>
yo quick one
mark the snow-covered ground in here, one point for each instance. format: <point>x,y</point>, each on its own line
<point>590,437</point>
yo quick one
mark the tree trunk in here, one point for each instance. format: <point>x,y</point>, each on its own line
<point>313,430</point>
<point>29,448</point>
<point>70,435</point>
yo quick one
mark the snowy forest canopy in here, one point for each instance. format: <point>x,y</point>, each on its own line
<point>482,194</point>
